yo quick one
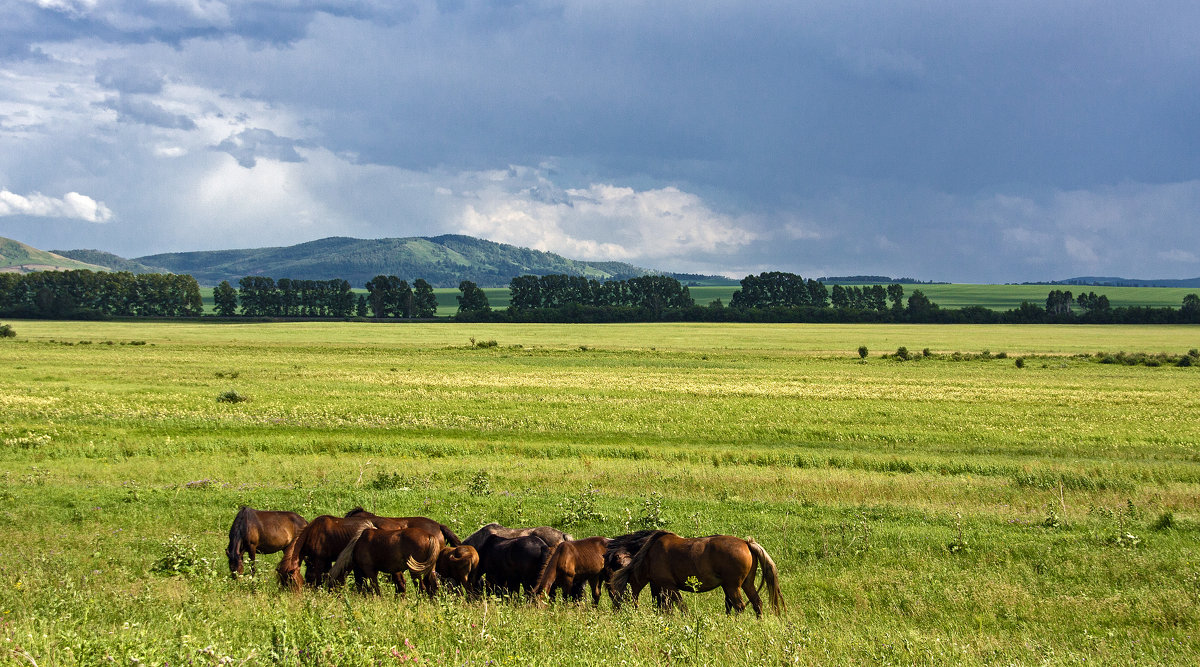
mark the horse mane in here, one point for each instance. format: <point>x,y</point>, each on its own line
<point>621,577</point>
<point>291,553</point>
<point>358,509</point>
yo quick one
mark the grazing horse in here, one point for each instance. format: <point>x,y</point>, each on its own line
<point>620,553</point>
<point>398,522</point>
<point>551,536</point>
<point>458,564</point>
<point>511,564</point>
<point>670,563</point>
<point>260,532</point>
<point>393,551</point>
<point>318,546</point>
<point>571,565</point>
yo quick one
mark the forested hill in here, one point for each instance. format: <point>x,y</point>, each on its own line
<point>17,257</point>
<point>109,261</point>
<point>444,261</point>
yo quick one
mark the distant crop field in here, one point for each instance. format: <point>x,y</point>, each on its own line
<point>933,510</point>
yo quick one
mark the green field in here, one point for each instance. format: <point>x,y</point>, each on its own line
<point>928,511</point>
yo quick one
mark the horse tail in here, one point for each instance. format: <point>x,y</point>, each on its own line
<point>770,575</point>
<point>237,535</point>
<point>449,536</point>
<point>432,551</point>
<point>621,578</point>
<point>549,571</point>
<point>344,558</point>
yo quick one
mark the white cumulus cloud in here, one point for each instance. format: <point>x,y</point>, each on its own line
<point>603,221</point>
<point>72,206</point>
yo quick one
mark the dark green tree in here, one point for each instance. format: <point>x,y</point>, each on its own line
<point>425,303</point>
<point>360,306</point>
<point>473,299</point>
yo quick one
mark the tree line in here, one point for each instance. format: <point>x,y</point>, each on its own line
<point>767,297</point>
<point>386,297</point>
<point>779,296</point>
<point>85,294</point>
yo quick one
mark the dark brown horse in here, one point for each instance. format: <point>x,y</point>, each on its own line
<point>317,547</point>
<point>260,532</point>
<point>400,522</point>
<point>670,563</point>
<point>551,536</point>
<point>511,564</point>
<point>458,564</point>
<point>394,552</point>
<point>573,564</point>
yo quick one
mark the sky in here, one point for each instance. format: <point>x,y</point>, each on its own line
<point>941,140</point>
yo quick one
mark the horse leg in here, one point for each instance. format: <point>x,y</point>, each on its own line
<point>594,583</point>
<point>566,584</point>
<point>662,597</point>
<point>401,586</point>
<point>752,594</point>
<point>733,597</point>
<point>253,564</point>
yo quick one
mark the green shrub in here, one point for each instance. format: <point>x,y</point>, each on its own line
<point>480,484</point>
<point>580,508</point>
<point>863,351</point>
<point>182,557</point>
<point>6,331</point>
<point>231,396</point>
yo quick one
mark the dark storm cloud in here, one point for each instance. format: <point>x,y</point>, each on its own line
<point>840,137</point>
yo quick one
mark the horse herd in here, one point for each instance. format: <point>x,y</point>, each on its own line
<point>534,561</point>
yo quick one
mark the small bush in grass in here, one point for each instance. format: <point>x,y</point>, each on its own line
<point>1166,521</point>
<point>1020,362</point>
<point>6,331</point>
<point>863,352</point>
<point>902,353</point>
<point>182,557</point>
<point>232,396</point>
<point>581,508</point>
<point>480,484</point>
<point>653,514</point>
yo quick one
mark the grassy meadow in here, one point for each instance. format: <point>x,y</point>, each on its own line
<point>924,511</point>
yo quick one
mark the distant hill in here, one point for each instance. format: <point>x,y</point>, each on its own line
<point>109,260</point>
<point>442,260</point>
<point>1124,282</point>
<point>16,257</point>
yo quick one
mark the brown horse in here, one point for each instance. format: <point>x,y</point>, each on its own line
<point>260,532</point>
<point>670,563</point>
<point>551,536</point>
<point>618,554</point>
<point>318,546</point>
<point>458,564</point>
<point>400,522</point>
<point>394,552</point>
<point>572,564</point>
